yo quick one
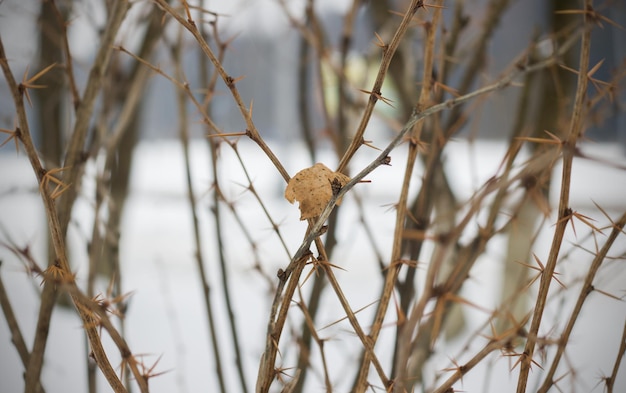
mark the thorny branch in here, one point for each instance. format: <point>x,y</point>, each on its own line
<point>315,230</point>
<point>420,316</point>
<point>60,272</point>
<point>574,133</point>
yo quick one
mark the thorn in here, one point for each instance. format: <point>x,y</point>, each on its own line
<point>15,135</point>
<point>226,134</point>
<point>379,96</point>
<point>381,43</point>
<point>30,83</point>
<point>554,140</point>
<point>369,144</point>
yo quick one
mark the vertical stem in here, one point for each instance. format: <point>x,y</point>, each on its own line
<point>184,139</point>
<point>586,289</point>
<point>49,112</point>
<point>401,207</point>
<point>564,213</point>
<point>217,198</point>
<point>75,157</point>
<point>35,363</point>
<point>610,383</point>
<point>246,114</point>
<point>61,264</point>
<point>343,104</point>
<point>304,115</point>
<point>388,52</point>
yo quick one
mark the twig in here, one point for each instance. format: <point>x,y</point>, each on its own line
<point>230,82</point>
<point>184,139</point>
<point>388,52</point>
<point>610,381</point>
<point>495,8</point>
<point>312,36</point>
<point>460,371</point>
<point>585,291</point>
<point>69,66</point>
<point>16,334</point>
<point>401,207</point>
<point>564,209</point>
<point>217,196</point>
<point>303,94</point>
<point>278,317</point>
<point>308,321</point>
<point>252,189</point>
<point>61,265</point>
<point>95,258</point>
<point>95,315</point>
<point>75,159</point>
<point>48,295</point>
<point>139,78</point>
<point>344,46</point>
<point>366,341</point>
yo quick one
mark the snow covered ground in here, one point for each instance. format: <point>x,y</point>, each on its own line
<point>166,316</point>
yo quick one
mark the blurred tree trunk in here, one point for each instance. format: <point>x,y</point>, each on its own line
<point>51,99</point>
<point>51,103</point>
<point>52,108</point>
<point>119,160</point>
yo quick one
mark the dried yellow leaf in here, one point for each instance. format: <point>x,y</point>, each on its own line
<point>312,188</point>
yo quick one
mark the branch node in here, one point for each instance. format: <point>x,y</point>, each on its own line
<point>282,275</point>
<point>230,81</point>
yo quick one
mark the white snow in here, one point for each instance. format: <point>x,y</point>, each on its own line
<point>166,316</point>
